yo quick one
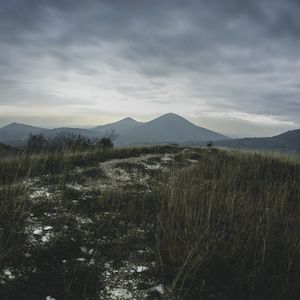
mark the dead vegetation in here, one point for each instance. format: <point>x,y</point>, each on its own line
<point>149,223</point>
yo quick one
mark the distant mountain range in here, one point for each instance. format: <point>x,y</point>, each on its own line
<point>169,128</point>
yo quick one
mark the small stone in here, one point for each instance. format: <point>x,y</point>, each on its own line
<point>38,232</point>
<point>45,238</point>
<point>48,228</point>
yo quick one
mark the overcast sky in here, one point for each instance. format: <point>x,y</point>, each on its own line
<point>229,65</point>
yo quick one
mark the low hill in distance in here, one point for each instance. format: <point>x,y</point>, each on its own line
<point>286,142</point>
<point>7,150</point>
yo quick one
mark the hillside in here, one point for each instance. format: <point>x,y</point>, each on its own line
<point>286,142</point>
<point>149,223</point>
<point>6,150</point>
<point>18,132</point>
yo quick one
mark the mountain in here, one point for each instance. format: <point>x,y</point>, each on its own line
<point>6,150</point>
<point>91,133</point>
<point>18,132</point>
<point>169,128</point>
<point>286,142</point>
<point>120,126</point>
<point>291,137</point>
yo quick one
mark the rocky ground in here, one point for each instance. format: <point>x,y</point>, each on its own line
<point>89,234</point>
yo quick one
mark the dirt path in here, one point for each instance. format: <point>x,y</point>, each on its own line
<point>86,237</point>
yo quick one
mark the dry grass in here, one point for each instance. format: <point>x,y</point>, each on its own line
<point>230,227</point>
<point>226,223</point>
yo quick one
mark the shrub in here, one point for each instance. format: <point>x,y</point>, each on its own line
<point>66,141</point>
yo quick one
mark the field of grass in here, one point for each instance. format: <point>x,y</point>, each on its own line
<point>229,227</point>
<point>150,223</point>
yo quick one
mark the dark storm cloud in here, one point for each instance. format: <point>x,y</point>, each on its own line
<point>230,56</point>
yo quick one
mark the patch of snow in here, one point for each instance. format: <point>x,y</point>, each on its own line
<point>158,288</point>
<point>192,161</point>
<point>75,186</point>
<point>8,273</point>
<point>119,293</point>
<point>42,192</point>
<point>153,167</point>
<point>83,249</point>
<point>167,158</point>
<point>81,259</point>
<point>48,228</point>
<point>141,269</point>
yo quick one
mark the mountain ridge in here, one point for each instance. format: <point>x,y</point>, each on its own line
<point>288,141</point>
<point>168,128</point>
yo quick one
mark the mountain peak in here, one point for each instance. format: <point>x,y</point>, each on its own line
<point>128,120</point>
<point>171,118</point>
<point>119,126</point>
<point>171,115</point>
<point>15,125</point>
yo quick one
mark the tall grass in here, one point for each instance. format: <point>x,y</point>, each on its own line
<point>17,170</point>
<point>230,227</point>
<point>29,165</point>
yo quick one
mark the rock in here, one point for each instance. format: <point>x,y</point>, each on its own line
<point>38,232</point>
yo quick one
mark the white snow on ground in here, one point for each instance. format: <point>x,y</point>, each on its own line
<point>167,158</point>
<point>37,233</point>
<point>158,288</point>
<point>8,273</point>
<point>140,269</point>
<point>192,161</point>
<point>120,282</point>
<point>42,192</point>
<point>119,293</point>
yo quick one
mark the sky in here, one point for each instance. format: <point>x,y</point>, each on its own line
<point>229,65</point>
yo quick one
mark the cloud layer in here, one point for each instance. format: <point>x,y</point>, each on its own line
<point>232,65</point>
